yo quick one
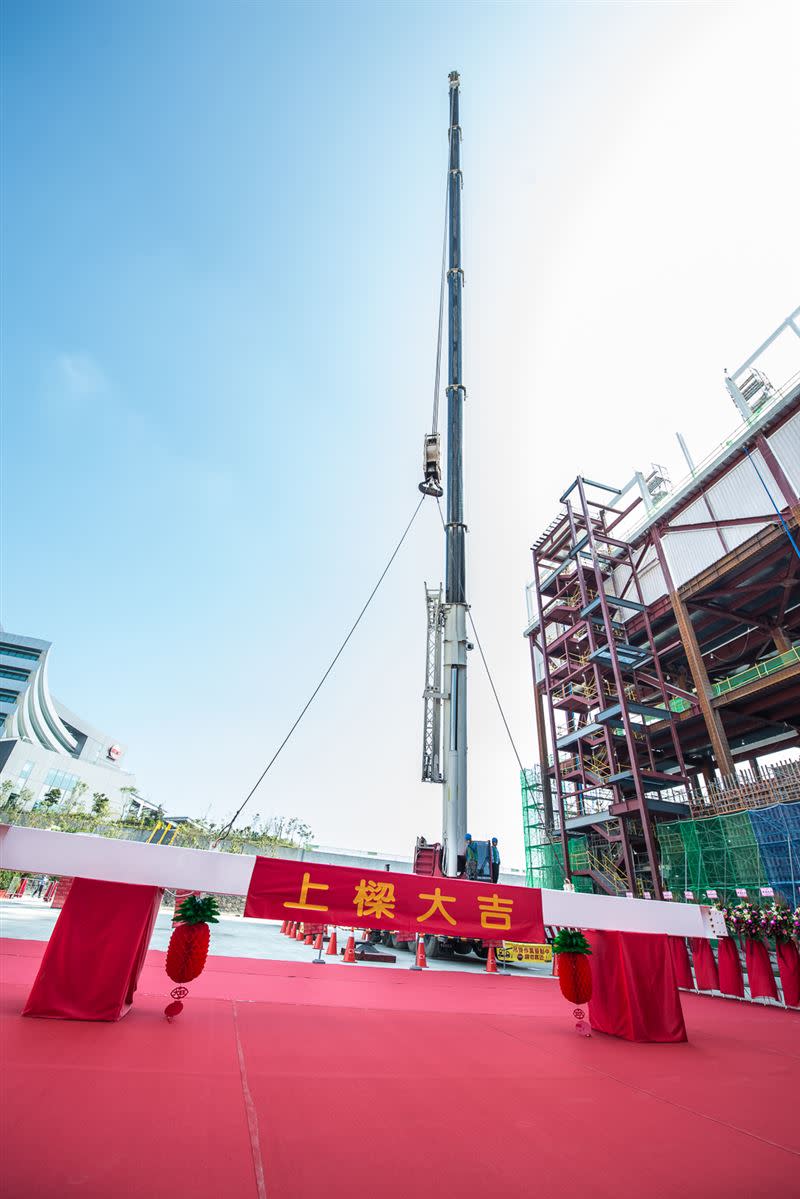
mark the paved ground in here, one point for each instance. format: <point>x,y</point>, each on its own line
<point>31,919</point>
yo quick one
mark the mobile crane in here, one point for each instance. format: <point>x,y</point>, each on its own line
<point>444,739</point>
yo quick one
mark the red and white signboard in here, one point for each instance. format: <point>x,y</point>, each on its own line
<point>688,895</point>
<point>768,891</point>
<point>712,894</point>
<point>668,895</point>
<point>76,855</point>
<point>741,892</point>
<point>114,752</point>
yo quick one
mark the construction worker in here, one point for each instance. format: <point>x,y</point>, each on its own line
<point>471,857</point>
<point>495,860</point>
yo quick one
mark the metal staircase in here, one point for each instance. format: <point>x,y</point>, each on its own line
<point>604,689</point>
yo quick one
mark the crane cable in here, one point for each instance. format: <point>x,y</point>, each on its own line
<point>229,826</point>
<point>523,771</point>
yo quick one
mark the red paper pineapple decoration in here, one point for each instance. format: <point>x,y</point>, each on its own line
<point>574,970</point>
<point>188,945</point>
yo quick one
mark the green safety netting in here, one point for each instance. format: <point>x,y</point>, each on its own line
<point>717,852</point>
<point>749,850</point>
<point>543,861</point>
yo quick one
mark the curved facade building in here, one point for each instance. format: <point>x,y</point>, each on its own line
<point>44,745</point>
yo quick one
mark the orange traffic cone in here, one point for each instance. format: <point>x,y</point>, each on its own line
<point>308,939</point>
<point>318,942</point>
<point>284,926</point>
<point>422,962</point>
<point>332,951</point>
<point>350,949</point>
<point>491,963</point>
<point>299,935</point>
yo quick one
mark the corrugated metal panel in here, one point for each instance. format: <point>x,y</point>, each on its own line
<point>651,582</point>
<point>689,553</point>
<point>696,511</point>
<point>738,493</point>
<point>619,578</point>
<point>785,445</point>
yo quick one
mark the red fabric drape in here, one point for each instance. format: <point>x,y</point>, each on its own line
<point>680,963</point>
<point>759,970</point>
<point>730,968</point>
<point>95,953</point>
<point>634,992</point>
<point>705,967</point>
<point>789,967</point>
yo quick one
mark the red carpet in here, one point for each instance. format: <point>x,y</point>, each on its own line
<point>354,1083</point>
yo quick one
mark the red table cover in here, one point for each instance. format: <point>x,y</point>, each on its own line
<point>731,981</point>
<point>634,992</point>
<point>705,967</point>
<point>96,951</point>
<point>789,967</point>
<point>759,970</point>
<point>680,963</point>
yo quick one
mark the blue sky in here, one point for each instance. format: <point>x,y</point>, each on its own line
<point>221,230</point>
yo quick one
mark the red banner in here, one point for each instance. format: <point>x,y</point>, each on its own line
<point>281,889</point>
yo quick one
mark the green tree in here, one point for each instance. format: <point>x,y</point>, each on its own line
<point>130,796</point>
<point>6,792</point>
<point>150,816</point>
<point>77,794</point>
<point>99,803</point>
<point>51,797</point>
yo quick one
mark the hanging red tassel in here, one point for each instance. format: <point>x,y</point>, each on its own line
<point>188,946</point>
<point>574,971</point>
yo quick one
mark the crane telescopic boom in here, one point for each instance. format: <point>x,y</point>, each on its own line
<point>454,756</point>
<point>444,738</point>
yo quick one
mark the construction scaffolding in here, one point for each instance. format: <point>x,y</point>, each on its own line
<point>543,864</point>
<point>749,846</point>
<point>603,693</point>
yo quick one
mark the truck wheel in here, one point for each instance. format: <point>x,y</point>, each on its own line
<point>482,952</point>
<point>386,939</point>
<point>462,948</point>
<point>433,948</point>
<point>403,946</point>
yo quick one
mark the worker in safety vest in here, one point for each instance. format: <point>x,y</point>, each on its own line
<point>495,860</point>
<point>471,869</point>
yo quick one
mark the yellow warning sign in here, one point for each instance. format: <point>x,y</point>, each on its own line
<point>516,951</point>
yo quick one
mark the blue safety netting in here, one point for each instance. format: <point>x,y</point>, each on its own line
<point>777,832</point>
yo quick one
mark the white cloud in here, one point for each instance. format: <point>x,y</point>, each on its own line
<point>80,374</point>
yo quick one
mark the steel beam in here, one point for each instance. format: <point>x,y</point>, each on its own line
<point>714,726</point>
